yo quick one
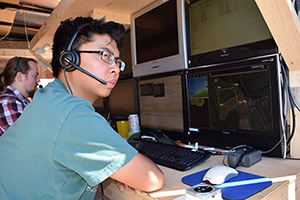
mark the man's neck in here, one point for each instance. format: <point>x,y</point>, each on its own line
<point>20,89</point>
<point>74,92</point>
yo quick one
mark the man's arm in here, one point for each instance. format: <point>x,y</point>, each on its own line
<point>140,173</point>
<point>10,111</point>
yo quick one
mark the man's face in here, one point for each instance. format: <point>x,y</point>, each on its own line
<point>31,78</point>
<point>86,87</point>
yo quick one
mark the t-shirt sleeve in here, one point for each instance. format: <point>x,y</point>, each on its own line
<point>88,146</point>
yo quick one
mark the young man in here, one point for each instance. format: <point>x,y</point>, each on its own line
<point>60,148</point>
<point>21,76</point>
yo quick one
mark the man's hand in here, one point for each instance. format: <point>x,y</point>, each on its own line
<point>121,187</point>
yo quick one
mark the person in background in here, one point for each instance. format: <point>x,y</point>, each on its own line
<point>21,77</point>
<point>60,148</point>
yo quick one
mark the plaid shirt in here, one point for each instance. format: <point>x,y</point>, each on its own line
<point>12,104</point>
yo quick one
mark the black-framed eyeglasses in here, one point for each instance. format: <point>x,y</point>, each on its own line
<point>109,58</point>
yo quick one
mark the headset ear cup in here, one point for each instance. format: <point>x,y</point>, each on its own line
<point>68,57</point>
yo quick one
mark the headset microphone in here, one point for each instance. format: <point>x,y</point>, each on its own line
<point>70,59</point>
<point>84,71</point>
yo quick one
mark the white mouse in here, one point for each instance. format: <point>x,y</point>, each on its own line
<point>219,174</point>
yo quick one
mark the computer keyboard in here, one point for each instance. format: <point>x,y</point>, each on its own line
<point>175,157</point>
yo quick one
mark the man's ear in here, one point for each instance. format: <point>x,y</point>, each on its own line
<point>19,77</point>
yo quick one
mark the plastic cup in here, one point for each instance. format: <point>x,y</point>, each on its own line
<point>123,127</point>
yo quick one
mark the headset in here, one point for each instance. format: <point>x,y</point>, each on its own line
<point>70,59</point>
<point>17,68</point>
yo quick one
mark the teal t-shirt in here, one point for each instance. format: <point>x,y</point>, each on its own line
<point>59,148</point>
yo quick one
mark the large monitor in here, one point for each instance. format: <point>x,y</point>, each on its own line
<point>158,38</point>
<point>220,31</point>
<point>161,103</point>
<point>235,104</point>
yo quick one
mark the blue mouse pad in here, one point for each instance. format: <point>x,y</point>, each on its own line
<point>240,187</point>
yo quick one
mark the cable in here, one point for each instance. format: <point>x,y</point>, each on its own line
<point>102,192</point>
<point>293,158</point>
<point>67,81</point>
<point>286,105</point>
<point>293,123</point>
<point>232,150</point>
<point>25,29</point>
<point>7,31</point>
<point>293,101</point>
<point>293,105</point>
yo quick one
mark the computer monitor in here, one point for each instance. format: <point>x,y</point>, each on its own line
<point>158,38</point>
<point>224,31</point>
<point>236,103</point>
<point>122,100</point>
<point>100,106</point>
<point>161,103</point>
<point>125,53</point>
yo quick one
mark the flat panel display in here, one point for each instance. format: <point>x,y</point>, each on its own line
<point>158,38</point>
<point>226,30</point>
<point>236,104</point>
<point>123,100</point>
<point>161,104</point>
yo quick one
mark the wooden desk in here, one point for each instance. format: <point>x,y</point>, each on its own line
<point>284,173</point>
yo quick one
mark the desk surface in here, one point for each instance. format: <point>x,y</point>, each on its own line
<point>284,174</point>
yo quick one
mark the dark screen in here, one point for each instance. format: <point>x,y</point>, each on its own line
<point>157,33</point>
<point>122,99</point>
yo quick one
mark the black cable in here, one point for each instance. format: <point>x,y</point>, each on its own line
<point>67,81</point>
<point>289,88</point>
<point>293,158</point>
<point>293,105</point>
<point>293,121</point>
<point>102,192</point>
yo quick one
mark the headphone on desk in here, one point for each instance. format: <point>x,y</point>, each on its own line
<point>70,59</point>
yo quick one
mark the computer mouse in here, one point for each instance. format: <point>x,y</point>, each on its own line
<point>219,174</point>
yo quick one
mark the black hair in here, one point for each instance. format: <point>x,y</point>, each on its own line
<point>69,27</point>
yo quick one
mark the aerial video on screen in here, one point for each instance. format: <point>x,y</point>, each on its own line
<point>235,101</point>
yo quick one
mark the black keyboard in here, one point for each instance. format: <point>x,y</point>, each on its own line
<point>175,157</point>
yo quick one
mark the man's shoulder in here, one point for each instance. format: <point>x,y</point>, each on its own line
<point>7,96</point>
<point>56,97</point>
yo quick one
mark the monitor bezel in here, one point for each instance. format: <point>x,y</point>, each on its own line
<point>165,64</point>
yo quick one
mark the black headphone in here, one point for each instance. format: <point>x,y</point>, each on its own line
<point>17,68</point>
<point>70,59</point>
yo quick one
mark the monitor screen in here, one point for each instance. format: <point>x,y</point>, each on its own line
<point>226,30</point>
<point>236,104</point>
<point>100,107</point>
<point>156,33</point>
<point>125,53</point>
<point>161,104</point>
<point>122,100</point>
<point>157,38</point>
